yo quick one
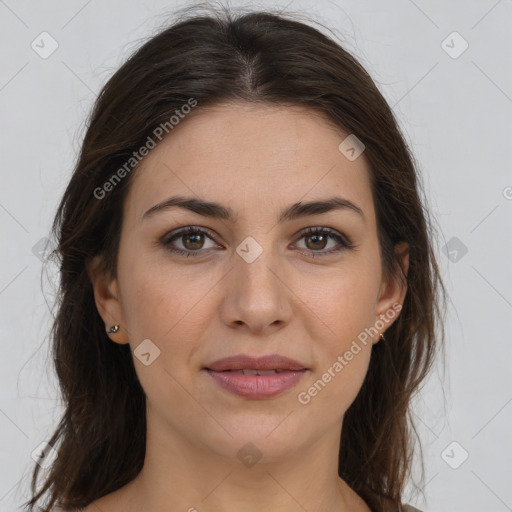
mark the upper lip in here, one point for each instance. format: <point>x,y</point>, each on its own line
<point>246,362</point>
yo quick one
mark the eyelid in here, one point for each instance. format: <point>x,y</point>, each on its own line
<point>334,233</point>
<point>177,233</point>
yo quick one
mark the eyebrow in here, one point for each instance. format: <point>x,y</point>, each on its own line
<point>219,211</point>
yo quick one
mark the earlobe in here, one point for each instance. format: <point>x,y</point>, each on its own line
<point>108,303</point>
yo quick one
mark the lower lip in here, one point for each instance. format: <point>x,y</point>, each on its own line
<point>257,386</point>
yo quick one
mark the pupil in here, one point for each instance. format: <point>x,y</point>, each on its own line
<point>318,237</point>
<point>195,244</point>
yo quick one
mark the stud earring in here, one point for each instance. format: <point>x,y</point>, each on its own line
<point>113,329</point>
<point>382,337</point>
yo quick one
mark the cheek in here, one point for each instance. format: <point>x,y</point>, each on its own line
<point>168,306</point>
<point>154,296</point>
<point>344,307</point>
<point>163,307</point>
<point>344,303</point>
<point>342,355</point>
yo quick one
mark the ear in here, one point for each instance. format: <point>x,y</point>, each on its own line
<point>106,296</point>
<point>393,290</point>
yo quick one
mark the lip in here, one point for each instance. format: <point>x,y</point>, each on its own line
<point>256,386</point>
<point>268,362</point>
<point>228,375</point>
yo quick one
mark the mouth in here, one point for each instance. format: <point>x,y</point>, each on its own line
<point>256,377</point>
<point>249,371</point>
<point>243,362</point>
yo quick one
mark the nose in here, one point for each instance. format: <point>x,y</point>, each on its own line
<point>257,298</point>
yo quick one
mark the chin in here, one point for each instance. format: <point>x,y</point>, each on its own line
<point>263,436</point>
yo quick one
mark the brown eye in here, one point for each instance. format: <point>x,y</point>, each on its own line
<point>317,241</point>
<point>190,241</point>
<point>193,241</point>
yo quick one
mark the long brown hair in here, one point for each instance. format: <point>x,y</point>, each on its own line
<point>215,56</point>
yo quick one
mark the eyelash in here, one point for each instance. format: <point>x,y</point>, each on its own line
<point>344,241</point>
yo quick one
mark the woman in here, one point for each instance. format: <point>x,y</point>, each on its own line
<point>248,294</point>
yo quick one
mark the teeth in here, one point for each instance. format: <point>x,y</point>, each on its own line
<point>250,372</point>
<point>259,372</point>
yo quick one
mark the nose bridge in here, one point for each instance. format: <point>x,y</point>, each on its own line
<point>256,263</point>
<point>259,296</point>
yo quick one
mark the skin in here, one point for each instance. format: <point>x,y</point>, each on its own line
<point>257,160</point>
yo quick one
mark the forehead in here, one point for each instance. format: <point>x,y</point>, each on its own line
<point>254,157</point>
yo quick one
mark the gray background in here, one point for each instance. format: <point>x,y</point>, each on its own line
<point>455,109</point>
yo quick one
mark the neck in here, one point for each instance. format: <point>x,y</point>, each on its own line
<point>179,475</point>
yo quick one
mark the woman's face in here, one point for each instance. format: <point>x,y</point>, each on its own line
<point>252,283</point>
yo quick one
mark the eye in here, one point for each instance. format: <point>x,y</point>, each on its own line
<point>317,239</point>
<point>192,239</point>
